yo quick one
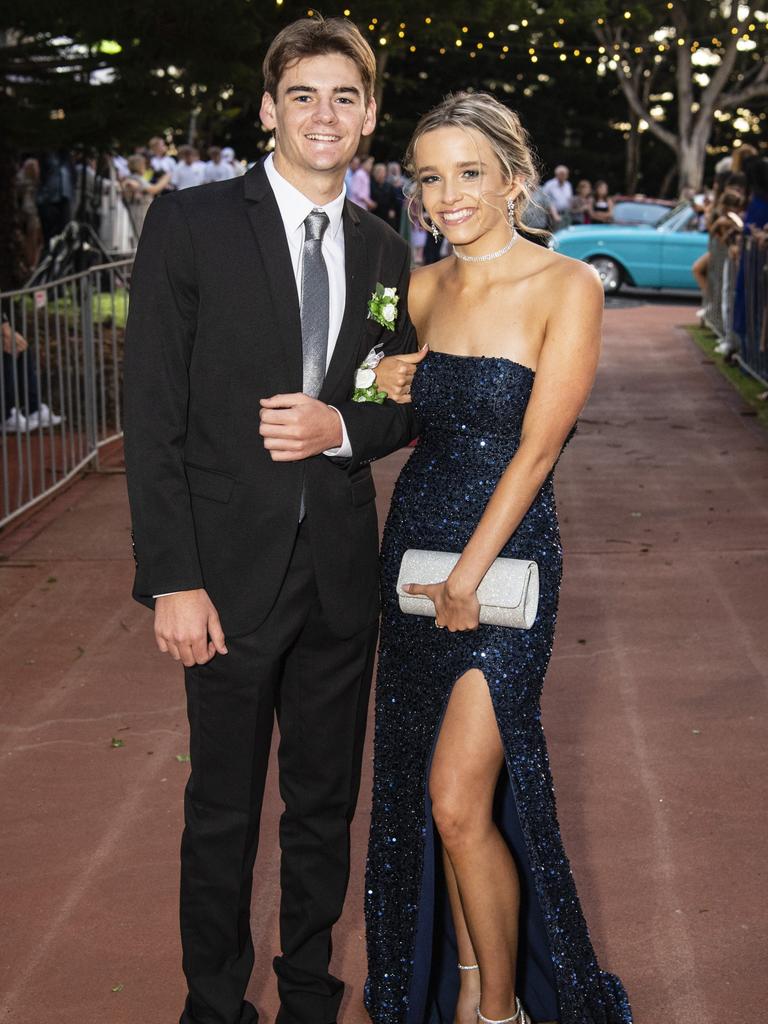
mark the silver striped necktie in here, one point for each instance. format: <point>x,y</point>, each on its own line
<point>314,311</point>
<point>314,303</point>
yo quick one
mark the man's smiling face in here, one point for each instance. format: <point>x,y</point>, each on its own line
<point>319,114</point>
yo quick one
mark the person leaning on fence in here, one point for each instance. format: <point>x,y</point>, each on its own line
<point>755,219</point>
<point>727,230</point>
<point>22,408</point>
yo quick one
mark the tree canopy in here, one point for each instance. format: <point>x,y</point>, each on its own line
<point>592,81</point>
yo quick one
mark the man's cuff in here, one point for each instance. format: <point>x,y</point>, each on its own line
<point>344,451</point>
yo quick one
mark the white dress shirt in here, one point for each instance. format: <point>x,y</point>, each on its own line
<point>294,208</point>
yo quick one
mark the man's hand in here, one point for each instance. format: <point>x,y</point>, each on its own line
<point>183,624</point>
<point>295,427</point>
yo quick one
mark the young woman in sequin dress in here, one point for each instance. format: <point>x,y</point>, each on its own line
<point>466,864</point>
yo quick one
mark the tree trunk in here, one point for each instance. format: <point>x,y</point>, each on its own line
<point>691,162</point>
<point>632,156</point>
<point>192,128</point>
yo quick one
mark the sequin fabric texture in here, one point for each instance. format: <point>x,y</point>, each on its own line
<point>470,411</point>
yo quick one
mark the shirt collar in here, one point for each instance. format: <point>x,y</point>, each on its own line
<point>294,206</point>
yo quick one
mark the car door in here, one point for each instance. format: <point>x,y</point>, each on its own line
<point>682,244</point>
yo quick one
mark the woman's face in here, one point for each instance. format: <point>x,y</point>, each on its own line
<point>463,188</point>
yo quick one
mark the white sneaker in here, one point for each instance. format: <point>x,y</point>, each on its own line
<point>43,418</point>
<point>16,423</point>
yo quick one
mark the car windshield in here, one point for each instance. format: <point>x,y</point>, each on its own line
<point>638,213</point>
<point>681,218</point>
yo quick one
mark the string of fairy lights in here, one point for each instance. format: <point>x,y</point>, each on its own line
<point>525,38</point>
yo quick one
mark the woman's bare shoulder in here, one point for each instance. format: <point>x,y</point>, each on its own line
<point>565,272</point>
<point>425,281</point>
<point>426,277</point>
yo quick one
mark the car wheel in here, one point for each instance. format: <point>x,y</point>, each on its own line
<point>609,271</point>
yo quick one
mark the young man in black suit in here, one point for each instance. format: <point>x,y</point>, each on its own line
<point>253,509</point>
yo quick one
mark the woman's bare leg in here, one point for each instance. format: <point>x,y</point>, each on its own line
<point>699,271</point>
<point>468,758</point>
<point>469,991</point>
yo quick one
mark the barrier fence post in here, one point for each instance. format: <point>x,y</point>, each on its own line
<point>89,366</point>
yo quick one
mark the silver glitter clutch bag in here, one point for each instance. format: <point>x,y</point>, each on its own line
<point>508,593</point>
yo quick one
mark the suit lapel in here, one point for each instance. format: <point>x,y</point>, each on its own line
<point>353,321</point>
<point>269,232</point>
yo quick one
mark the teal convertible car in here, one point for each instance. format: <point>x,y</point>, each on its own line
<point>647,257</point>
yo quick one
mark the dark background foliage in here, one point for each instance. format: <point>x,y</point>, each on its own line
<point>191,70</point>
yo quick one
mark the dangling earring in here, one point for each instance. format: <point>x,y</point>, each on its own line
<point>433,228</point>
<point>511,211</point>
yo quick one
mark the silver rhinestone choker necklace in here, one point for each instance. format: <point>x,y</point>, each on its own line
<point>489,255</point>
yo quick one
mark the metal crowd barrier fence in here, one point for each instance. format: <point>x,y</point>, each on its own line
<point>62,372</point>
<point>713,307</point>
<point>753,355</point>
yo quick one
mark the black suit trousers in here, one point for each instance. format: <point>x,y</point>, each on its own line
<point>318,686</point>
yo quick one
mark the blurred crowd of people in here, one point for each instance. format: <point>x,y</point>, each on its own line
<point>113,193</point>
<point>382,188</point>
<point>731,274</point>
<point>557,205</point>
<point>110,192</point>
<point>148,172</point>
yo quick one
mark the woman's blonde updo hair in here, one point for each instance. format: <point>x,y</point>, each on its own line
<point>505,134</point>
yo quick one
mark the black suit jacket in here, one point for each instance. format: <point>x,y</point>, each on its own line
<point>214,325</point>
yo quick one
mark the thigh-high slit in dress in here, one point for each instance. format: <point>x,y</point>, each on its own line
<point>470,411</point>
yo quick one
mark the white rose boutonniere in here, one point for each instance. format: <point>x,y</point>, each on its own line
<point>382,306</point>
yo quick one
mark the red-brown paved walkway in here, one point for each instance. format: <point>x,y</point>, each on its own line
<point>655,711</point>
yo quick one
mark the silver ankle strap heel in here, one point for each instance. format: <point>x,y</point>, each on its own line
<point>520,1016</point>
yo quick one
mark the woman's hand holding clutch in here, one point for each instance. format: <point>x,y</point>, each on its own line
<point>457,611</point>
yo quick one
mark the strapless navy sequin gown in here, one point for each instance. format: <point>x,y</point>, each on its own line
<point>470,412</point>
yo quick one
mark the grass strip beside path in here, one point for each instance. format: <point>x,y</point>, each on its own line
<point>749,388</point>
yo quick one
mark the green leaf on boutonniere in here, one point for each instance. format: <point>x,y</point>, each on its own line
<point>382,306</point>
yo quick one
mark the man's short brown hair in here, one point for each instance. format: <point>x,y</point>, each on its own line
<point>312,37</point>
